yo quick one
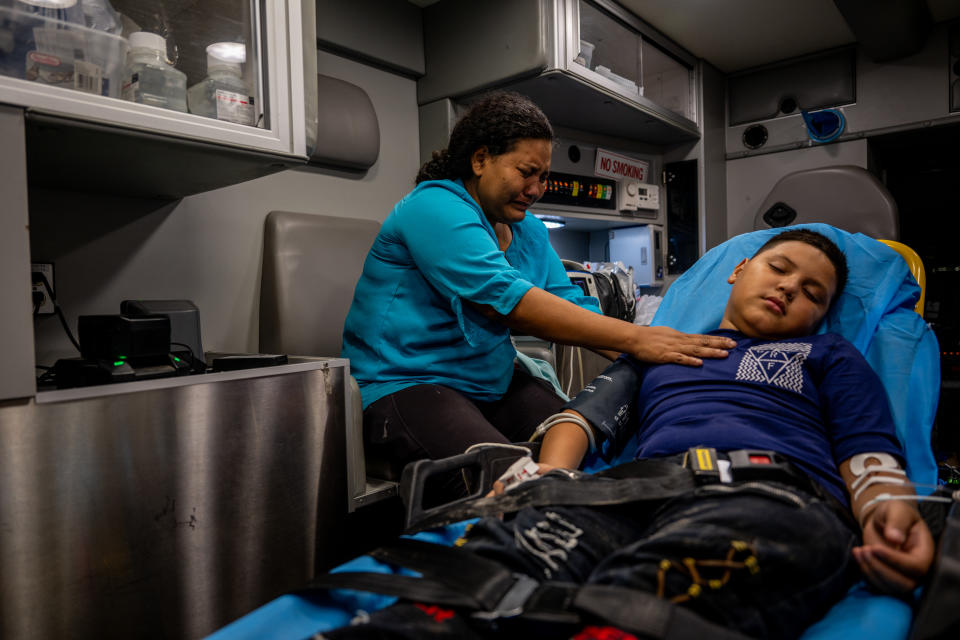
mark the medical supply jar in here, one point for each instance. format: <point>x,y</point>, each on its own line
<point>149,78</point>
<point>223,94</point>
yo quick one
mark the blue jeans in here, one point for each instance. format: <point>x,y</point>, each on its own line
<point>767,560</point>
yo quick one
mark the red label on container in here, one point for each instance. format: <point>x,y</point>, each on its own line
<point>44,58</point>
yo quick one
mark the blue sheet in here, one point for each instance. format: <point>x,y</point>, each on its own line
<point>875,313</point>
<point>298,617</point>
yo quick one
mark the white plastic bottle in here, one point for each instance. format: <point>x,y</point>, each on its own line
<point>149,78</point>
<point>223,94</point>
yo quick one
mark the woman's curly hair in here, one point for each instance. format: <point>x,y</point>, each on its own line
<point>496,122</point>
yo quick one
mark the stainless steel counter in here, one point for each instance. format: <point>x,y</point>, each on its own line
<point>167,508</point>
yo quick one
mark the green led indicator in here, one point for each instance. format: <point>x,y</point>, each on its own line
<point>176,359</point>
<point>121,357</point>
<point>118,363</point>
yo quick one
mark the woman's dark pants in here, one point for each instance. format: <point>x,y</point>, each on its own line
<point>433,421</point>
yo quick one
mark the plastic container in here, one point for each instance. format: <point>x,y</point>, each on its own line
<point>607,73</point>
<point>223,94</point>
<point>50,45</point>
<point>67,11</point>
<point>586,53</point>
<point>100,15</point>
<point>17,24</point>
<point>149,78</point>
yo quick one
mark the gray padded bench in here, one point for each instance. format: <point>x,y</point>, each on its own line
<point>311,264</point>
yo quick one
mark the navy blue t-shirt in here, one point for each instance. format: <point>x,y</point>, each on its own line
<point>813,399</point>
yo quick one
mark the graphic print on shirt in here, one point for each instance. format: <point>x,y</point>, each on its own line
<point>777,363</point>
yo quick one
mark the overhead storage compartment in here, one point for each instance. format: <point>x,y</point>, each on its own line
<point>590,65</point>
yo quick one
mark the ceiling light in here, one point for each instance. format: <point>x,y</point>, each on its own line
<point>553,222</point>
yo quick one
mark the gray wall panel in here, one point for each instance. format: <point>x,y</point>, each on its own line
<point>207,247</point>
<point>713,169</point>
<point>911,90</point>
<point>506,39</point>
<point>16,327</point>
<point>749,180</point>
<point>388,32</point>
<point>437,120</point>
<point>571,245</point>
<point>814,82</point>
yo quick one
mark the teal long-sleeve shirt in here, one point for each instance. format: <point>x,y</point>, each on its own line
<point>410,322</point>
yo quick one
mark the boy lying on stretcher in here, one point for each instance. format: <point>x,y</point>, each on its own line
<point>765,556</point>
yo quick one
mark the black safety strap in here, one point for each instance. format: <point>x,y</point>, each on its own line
<point>389,584</point>
<point>485,580</point>
<point>641,480</point>
<point>628,609</point>
<point>452,577</point>
<point>644,613</point>
<point>647,480</point>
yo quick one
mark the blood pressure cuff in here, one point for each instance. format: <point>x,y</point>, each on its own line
<point>612,393</point>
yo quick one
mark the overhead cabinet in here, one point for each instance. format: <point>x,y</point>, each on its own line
<point>223,74</point>
<point>590,64</point>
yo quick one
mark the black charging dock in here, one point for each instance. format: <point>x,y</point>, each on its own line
<point>118,348</point>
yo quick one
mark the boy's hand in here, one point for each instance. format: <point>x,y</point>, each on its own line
<point>500,488</point>
<point>897,548</point>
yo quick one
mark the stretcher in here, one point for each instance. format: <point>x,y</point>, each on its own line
<point>875,312</point>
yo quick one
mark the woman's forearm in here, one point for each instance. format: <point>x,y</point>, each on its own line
<point>552,318</point>
<point>547,316</point>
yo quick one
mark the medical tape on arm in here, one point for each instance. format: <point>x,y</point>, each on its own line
<point>871,477</point>
<point>943,496</point>
<point>880,480</point>
<point>558,418</point>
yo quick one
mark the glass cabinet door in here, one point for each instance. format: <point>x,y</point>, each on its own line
<point>189,67</point>
<point>212,47</point>
<point>616,54</point>
<point>610,49</point>
<point>666,82</point>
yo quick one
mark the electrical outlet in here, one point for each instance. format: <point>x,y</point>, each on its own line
<point>42,299</point>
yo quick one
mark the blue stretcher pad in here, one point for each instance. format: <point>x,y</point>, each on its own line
<point>875,313</point>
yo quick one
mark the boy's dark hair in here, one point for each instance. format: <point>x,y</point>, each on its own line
<point>496,122</point>
<point>819,241</point>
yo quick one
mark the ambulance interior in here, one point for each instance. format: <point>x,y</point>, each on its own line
<point>171,507</point>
